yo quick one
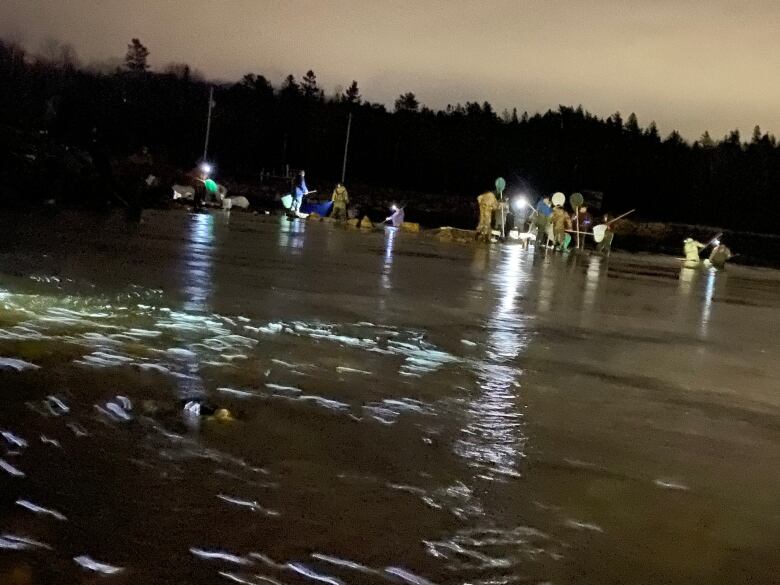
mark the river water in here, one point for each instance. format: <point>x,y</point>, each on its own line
<point>405,411</point>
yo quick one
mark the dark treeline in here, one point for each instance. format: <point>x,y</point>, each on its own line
<point>456,151</point>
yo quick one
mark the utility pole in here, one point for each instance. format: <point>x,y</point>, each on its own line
<point>208,123</point>
<point>346,149</point>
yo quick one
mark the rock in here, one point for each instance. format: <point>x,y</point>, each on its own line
<point>365,223</point>
<point>241,202</point>
<point>445,235</point>
<point>450,234</point>
<point>353,222</point>
<point>183,192</point>
<point>410,226</point>
<point>314,216</point>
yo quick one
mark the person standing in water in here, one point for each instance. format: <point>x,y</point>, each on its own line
<point>487,205</point>
<point>543,214</point>
<point>299,191</point>
<point>692,248</point>
<point>720,255</point>
<point>340,200</point>
<point>561,222</point>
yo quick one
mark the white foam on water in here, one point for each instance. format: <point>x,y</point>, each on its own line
<point>155,368</point>
<point>407,576</point>
<point>14,439</point>
<point>181,352</point>
<point>220,556</point>
<point>61,407</point>
<point>346,370</point>
<point>302,569</point>
<point>18,365</point>
<point>78,430</point>
<point>326,402</point>
<point>345,563</point>
<point>280,388</point>
<point>239,393</point>
<point>40,509</point>
<point>13,542</point>
<point>670,485</point>
<point>10,469</point>
<point>48,441</point>
<point>584,526</point>
<point>144,333</point>
<point>253,505</point>
<point>92,565</point>
<point>118,411</point>
<point>236,578</point>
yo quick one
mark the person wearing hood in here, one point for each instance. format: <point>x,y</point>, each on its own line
<point>692,248</point>
<point>299,191</point>
<point>397,218</point>
<point>720,255</point>
<point>544,212</point>
<point>560,222</point>
<point>340,200</point>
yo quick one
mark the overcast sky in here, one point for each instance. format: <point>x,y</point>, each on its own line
<point>690,65</point>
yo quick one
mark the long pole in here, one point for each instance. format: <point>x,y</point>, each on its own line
<point>208,124</point>
<point>346,149</point>
<point>577,217</point>
<point>621,216</point>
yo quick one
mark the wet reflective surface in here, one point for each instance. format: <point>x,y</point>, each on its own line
<point>404,411</point>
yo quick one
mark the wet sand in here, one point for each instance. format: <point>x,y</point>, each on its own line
<point>406,410</point>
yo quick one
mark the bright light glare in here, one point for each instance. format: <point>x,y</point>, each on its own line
<point>205,168</point>
<point>716,243</point>
<point>519,203</point>
<point>394,207</point>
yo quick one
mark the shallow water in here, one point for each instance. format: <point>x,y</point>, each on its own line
<point>406,411</point>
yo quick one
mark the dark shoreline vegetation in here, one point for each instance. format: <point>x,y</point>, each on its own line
<point>55,115</point>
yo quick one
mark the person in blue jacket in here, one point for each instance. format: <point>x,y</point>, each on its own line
<point>543,216</point>
<point>300,190</point>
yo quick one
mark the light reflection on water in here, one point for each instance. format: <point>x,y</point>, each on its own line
<point>492,440</point>
<point>198,261</point>
<point>347,461</point>
<point>292,235</point>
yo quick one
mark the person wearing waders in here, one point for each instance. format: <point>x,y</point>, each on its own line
<point>561,222</point>
<point>543,213</point>
<point>298,192</point>
<point>692,248</point>
<point>487,205</point>
<point>720,254</point>
<point>605,245</point>
<point>340,200</point>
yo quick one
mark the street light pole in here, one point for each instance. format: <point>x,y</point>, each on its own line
<point>208,123</point>
<point>346,149</point>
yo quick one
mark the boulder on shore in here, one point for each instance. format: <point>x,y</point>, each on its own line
<point>410,226</point>
<point>365,223</point>
<point>450,234</point>
<point>241,202</point>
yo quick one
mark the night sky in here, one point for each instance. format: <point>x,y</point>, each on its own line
<point>686,64</point>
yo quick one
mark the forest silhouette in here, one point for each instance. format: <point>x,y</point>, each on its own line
<point>456,151</point>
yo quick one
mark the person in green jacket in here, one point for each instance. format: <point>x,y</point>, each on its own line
<point>340,200</point>
<point>692,248</point>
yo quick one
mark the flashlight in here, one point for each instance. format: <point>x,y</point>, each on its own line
<point>394,207</point>
<point>205,168</point>
<point>519,203</point>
